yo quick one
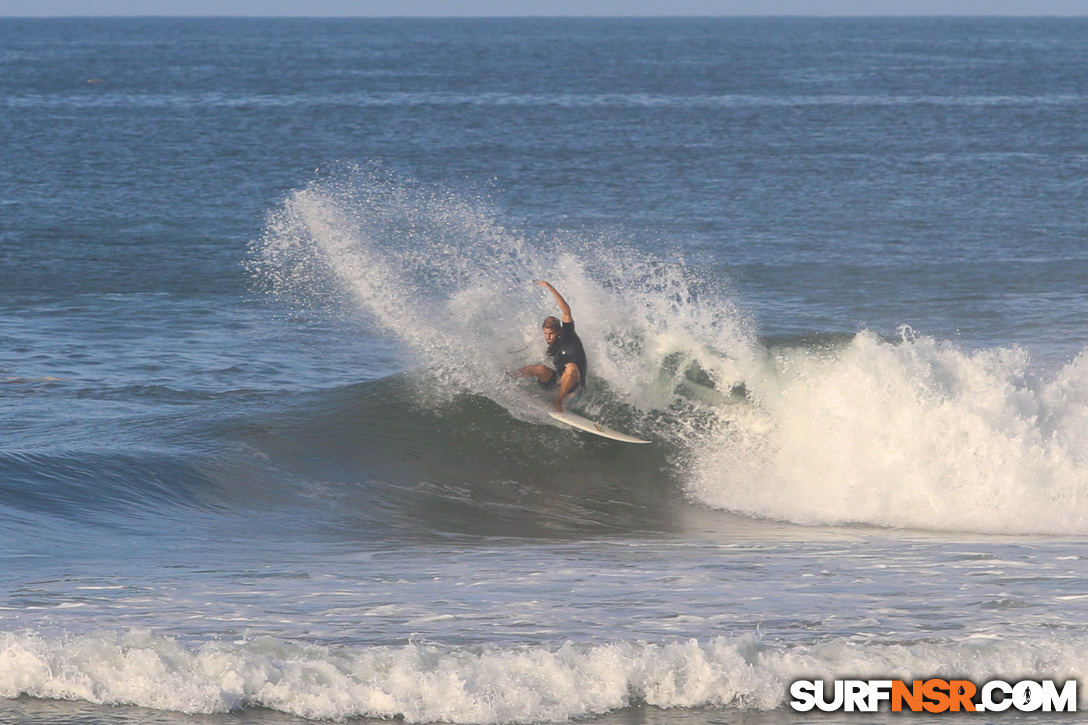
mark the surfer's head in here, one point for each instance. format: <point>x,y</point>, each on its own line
<point>551,330</point>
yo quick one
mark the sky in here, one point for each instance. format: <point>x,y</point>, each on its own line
<point>476,8</point>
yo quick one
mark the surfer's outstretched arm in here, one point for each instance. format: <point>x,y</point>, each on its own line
<point>563,306</point>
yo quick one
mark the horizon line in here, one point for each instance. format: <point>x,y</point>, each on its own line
<point>665,16</point>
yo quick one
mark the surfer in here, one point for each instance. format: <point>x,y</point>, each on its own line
<point>566,351</point>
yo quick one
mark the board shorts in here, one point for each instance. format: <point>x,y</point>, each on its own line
<point>553,384</point>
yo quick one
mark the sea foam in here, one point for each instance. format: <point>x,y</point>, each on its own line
<point>907,433</point>
<point>429,683</point>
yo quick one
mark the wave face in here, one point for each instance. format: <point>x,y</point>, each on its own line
<point>387,460</point>
<point>850,430</point>
<point>330,501</point>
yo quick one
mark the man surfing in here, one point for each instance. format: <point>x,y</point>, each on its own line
<point>567,354</point>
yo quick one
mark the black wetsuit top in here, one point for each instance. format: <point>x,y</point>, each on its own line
<point>568,349</point>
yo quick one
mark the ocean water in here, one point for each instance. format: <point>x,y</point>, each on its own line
<point>261,280</point>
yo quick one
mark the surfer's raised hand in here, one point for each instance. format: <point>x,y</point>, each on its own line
<point>563,306</point>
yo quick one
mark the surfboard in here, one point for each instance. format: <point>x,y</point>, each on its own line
<point>589,426</point>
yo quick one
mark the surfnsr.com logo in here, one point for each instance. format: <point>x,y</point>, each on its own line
<point>934,695</point>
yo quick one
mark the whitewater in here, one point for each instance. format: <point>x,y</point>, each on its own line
<point>904,432</point>
<point>262,282</point>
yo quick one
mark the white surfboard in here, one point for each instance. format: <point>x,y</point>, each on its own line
<point>590,426</point>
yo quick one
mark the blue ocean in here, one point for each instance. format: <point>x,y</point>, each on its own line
<point>261,281</point>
